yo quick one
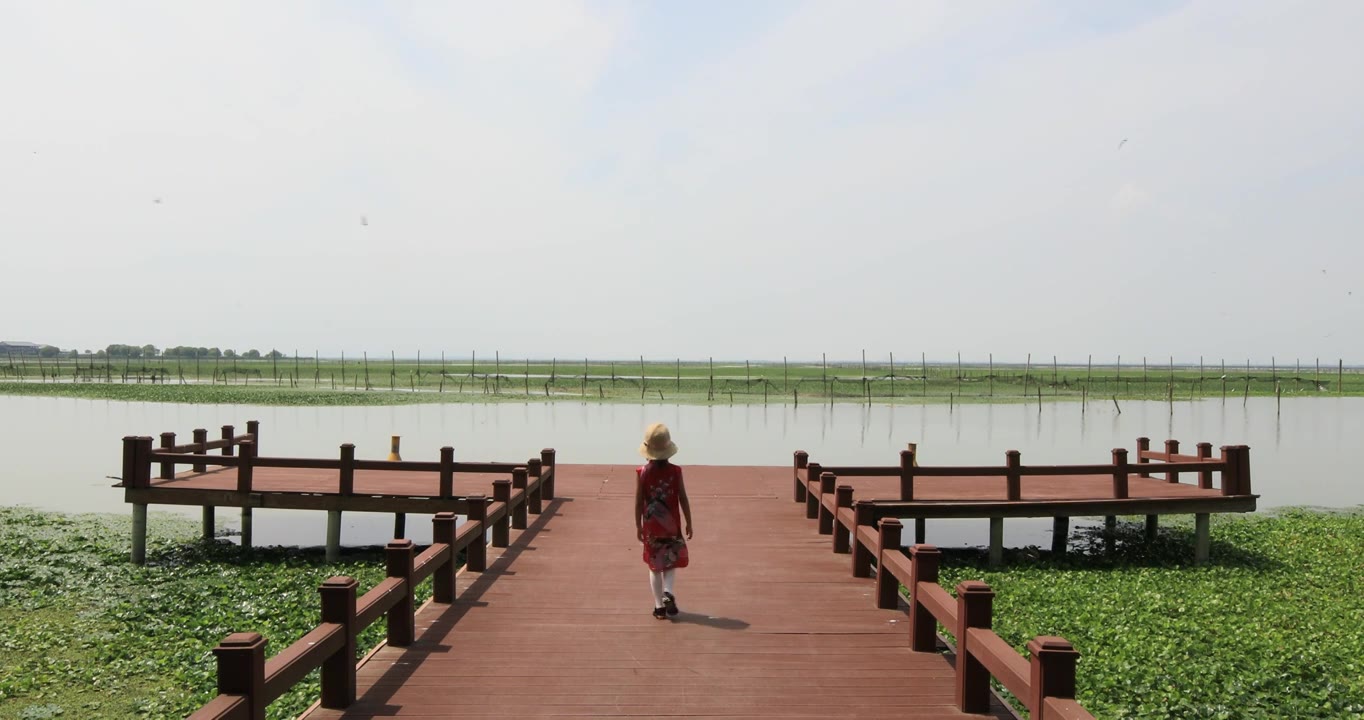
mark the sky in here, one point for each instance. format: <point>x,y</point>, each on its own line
<point>749,180</point>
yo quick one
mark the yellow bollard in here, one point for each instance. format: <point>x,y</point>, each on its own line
<point>393,450</point>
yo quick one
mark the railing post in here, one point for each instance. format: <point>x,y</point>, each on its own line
<point>1231,469</point>
<point>228,434</point>
<point>843,498</point>
<point>338,671</point>
<point>400,554</point>
<point>443,580</point>
<point>144,461</point>
<point>502,494</point>
<point>244,469</point>
<point>346,484</point>
<point>200,439</point>
<point>906,475</point>
<point>130,461</point>
<point>167,468</point>
<point>813,470</point>
<point>547,460</point>
<point>1143,446</point>
<point>1205,476</point>
<point>827,482</point>
<point>975,601</point>
<point>476,556</point>
<point>447,471</point>
<point>1171,448</point>
<point>253,429</point>
<point>533,469</point>
<point>241,670</point>
<point>863,514</point>
<point>1053,672</point>
<point>1120,470</point>
<point>802,460</point>
<point>923,627</point>
<point>519,483</point>
<point>887,586</point>
<point>1013,483</point>
<point>1243,466</point>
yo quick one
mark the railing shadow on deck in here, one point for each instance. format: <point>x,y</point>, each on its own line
<point>1044,683</point>
<point>248,682</point>
<point>383,687</point>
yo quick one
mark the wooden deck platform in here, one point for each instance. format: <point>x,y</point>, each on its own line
<point>772,625</point>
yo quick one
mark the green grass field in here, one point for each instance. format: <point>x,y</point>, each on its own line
<point>307,381</point>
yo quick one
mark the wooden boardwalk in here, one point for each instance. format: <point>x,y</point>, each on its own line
<point>772,625</point>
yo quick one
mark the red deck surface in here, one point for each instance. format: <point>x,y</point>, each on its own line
<point>772,623</point>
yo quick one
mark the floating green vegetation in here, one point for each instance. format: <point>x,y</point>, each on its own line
<point>86,634</point>
<point>1269,629</point>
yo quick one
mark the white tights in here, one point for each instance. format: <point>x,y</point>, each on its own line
<point>661,582</point>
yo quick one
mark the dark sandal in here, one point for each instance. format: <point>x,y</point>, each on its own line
<point>670,603</point>
<point>660,614</point>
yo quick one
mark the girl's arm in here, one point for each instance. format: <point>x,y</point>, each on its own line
<point>639,508</point>
<point>686,505</point>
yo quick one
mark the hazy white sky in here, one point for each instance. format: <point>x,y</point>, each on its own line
<point>742,180</point>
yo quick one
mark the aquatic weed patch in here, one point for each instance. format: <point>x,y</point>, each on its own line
<point>88,634</point>
<point>1269,629</point>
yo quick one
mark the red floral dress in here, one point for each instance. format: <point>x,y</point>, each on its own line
<point>664,547</point>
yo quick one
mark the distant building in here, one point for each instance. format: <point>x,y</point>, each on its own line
<point>14,347</point>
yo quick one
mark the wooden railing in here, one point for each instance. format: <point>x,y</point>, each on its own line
<point>139,457</point>
<point>248,682</point>
<point>1233,468</point>
<point>1044,683</point>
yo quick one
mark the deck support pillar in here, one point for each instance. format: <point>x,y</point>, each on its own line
<point>920,528</point>
<point>1060,534</point>
<point>210,523</point>
<point>399,525</point>
<point>140,533</point>
<point>1110,532</point>
<point>246,527</point>
<point>1152,527</point>
<point>1201,538</point>
<point>996,541</point>
<point>333,535</point>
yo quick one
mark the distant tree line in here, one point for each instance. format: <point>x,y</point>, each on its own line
<point>180,351</point>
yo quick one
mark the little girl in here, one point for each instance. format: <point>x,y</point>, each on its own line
<point>658,494</point>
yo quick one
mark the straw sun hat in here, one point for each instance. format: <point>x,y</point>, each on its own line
<point>658,443</point>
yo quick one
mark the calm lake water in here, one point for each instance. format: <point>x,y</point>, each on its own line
<point>57,452</point>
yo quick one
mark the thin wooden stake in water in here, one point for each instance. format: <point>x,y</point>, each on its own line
<point>923,358</point>
<point>1116,405</point>
<point>892,375</point>
<point>992,374</point>
<point>1027,370</point>
<point>1278,400</point>
<point>785,378</point>
<point>958,372</point>
<point>1340,376</point>
<point>642,383</point>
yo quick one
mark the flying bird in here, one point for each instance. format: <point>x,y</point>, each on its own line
<point>1124,142</point>
<point>157,200</point>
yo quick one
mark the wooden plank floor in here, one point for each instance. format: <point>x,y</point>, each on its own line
<point>772,623</point>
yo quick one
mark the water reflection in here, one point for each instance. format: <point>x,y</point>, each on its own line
<point>57,451</point>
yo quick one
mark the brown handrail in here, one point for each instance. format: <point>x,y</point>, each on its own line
<point>247,682</point>
<point>1045,684</point>
<point>1233,466</point>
